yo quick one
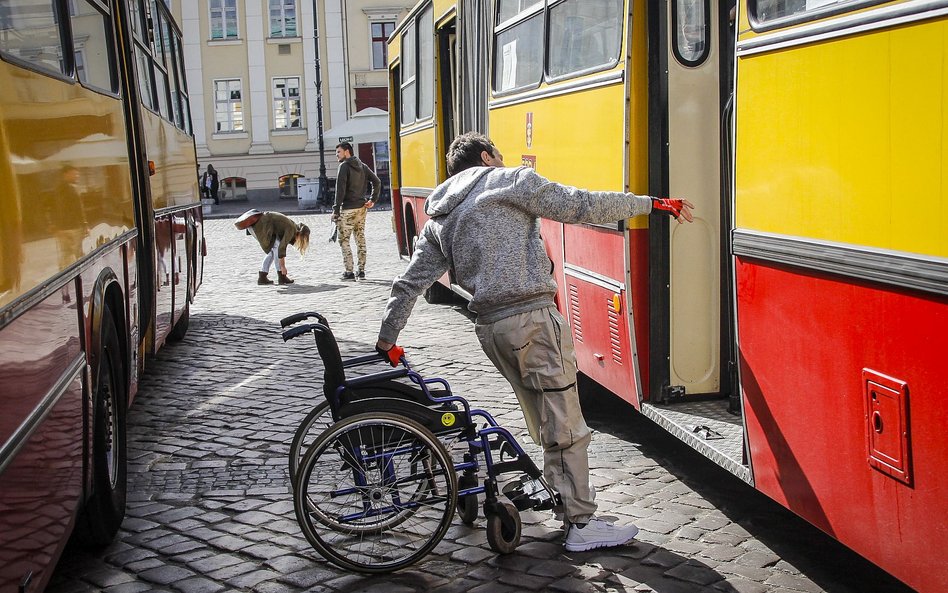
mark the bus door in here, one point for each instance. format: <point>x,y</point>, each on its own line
<point>690,324</point>
<point>692,306</point>
<point>447,87</point>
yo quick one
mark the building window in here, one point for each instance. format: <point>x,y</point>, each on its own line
<point>228,106</point>
<point>380,33</point>
<point>286,103</point>
<point>283,18</point>
<point>223,19</point>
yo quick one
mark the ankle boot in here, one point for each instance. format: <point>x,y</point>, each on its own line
<point>283,279</point>
<point>262,279</point>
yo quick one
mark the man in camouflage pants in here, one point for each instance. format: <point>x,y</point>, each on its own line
<point>349,210</point>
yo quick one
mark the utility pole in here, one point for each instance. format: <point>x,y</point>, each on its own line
<point>323,180</point>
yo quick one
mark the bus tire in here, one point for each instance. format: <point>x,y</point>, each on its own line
<point>180,328</point>
<point>105,508</point>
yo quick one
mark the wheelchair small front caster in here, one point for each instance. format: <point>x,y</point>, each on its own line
<point>467,505</point>
<point>503,526</point>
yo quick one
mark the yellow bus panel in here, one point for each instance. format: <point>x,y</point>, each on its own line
<point>175,182</point>
<point>855,145</point>
<point>66,191</point>
<point>582,147</point>
<point>419,164</point>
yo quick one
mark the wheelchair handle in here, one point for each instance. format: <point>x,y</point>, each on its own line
<point>298,331</point>
<point>297,317</point>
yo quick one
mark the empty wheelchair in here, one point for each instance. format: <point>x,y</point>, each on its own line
<point>380,467</point>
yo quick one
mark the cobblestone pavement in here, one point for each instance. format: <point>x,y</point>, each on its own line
<point>209,507</point>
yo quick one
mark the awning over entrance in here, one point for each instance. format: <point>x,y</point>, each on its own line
<point>368,125</point>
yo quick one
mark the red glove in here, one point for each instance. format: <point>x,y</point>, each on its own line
<point>394,354</point>
<point>671,206</point>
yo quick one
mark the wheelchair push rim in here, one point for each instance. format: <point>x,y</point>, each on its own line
<point>375,493</point>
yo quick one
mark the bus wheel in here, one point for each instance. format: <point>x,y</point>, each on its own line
<point>105,509</point>
<point>180,328</point>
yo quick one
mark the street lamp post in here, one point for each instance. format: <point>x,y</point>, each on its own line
<point>323,180</point>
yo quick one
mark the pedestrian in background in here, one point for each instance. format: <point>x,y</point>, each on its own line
<point>485,226</point>
<point>210,184</point>
<point>274,232</point>
<point>67,215</point>
<point>350,207</point>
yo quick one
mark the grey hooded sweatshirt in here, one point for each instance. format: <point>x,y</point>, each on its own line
<point>485,225</point>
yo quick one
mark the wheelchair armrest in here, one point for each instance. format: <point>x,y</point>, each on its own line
<point>364,359</point>
<point>297,317</point>
<point>375,377</point>
<point>438,381</point>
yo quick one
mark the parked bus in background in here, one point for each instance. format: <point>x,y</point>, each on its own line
<point>101,248</point>
<point>794,333</point>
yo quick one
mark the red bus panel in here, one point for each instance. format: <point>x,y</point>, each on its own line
<point>812,351</point>
<point>41,373</point>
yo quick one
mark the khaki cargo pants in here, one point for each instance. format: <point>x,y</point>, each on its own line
<point>534,352</point>
<point>352,222</point>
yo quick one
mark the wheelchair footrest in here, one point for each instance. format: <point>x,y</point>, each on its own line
<point>530,494</point>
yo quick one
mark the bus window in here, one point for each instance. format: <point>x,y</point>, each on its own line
<point>91,43</point>
<point>764,11</point>
<point>507,9</point>
<point>28,32</point>
<point>137,16</point>
<point>690,21</point>
<point>425,36</point>
<point>518,54</point>
<point>584,36</point>
<point>408,76</point>
<point>161,72</point>
<point>768,10</point>
<point>145,86</point>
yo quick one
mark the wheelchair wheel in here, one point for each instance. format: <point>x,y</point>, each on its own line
<point>503,527</point>
<point>311,427</point>
<point>375,493</point>
<point>467,505</point>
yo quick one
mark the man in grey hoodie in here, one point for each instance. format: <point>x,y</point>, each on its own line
<point>485,225</point>
<point>349,210</point>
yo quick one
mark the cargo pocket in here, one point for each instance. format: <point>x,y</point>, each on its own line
<point>551,370</point>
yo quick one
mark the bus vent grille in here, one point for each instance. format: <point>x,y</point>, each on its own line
<point>574,313</point>
<point>614,333</point>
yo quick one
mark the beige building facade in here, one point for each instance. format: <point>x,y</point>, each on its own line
<point>251,73</point>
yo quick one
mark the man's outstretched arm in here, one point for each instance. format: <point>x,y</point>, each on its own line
<point>428,263</point>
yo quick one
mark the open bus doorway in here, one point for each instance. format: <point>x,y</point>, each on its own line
<point>690,388</point>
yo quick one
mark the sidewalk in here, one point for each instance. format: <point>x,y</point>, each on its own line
<point>234,208</point>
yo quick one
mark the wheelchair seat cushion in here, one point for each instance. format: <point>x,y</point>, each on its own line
<point>438,420</point>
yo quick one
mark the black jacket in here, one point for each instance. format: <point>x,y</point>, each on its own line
<point>351,185</point>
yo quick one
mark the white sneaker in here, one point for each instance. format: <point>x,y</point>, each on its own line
<point>598,534</point>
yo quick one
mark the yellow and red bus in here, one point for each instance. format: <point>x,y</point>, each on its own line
<point>101,250</point>
<point>793,333</point>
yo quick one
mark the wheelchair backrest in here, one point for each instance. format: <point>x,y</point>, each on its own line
<point>334,374</point>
